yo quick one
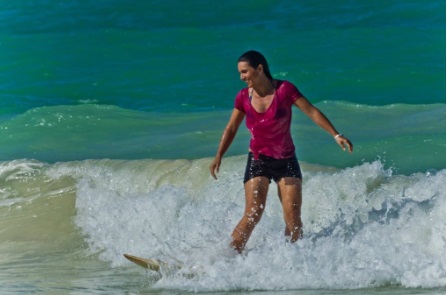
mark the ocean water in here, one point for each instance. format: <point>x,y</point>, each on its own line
<point>111,112</point>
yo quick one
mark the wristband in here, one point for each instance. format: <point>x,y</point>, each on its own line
<point>337,136</point>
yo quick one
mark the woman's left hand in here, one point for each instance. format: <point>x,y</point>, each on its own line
<point>344,143</point>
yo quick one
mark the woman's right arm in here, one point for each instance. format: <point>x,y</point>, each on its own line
<point>227,138</point>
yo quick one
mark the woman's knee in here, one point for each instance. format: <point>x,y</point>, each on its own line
<point>254,213</point>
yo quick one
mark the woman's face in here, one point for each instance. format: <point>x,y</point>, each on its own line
<point>248,74</point>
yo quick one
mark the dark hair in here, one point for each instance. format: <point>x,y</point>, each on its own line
<point>254,59</point>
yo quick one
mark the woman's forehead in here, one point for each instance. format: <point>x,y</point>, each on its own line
<point>243,65</point>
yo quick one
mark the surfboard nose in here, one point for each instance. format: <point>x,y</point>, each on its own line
<point>144,262</point>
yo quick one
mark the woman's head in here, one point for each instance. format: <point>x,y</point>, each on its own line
<point>254,59</point>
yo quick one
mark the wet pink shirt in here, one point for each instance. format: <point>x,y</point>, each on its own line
<point>270,131</point>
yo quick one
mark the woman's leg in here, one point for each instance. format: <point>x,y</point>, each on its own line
<point>289,192</point>
<point>255,198</point>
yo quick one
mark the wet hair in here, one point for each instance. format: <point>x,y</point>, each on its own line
<point>254,59</point>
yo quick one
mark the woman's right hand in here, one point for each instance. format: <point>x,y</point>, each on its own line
<point>214,167</point>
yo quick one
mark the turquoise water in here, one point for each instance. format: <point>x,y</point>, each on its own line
<point>111,112</point>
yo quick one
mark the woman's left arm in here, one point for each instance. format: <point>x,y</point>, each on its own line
<point>321,120</point>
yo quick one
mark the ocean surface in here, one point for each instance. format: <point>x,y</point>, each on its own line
<point>111,113</point>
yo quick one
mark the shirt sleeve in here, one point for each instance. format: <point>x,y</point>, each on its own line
<point>292,92</point>
<point>239,101</point>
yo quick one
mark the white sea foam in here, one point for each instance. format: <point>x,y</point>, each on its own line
<point>364,226</point>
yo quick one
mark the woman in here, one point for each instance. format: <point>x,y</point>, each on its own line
<point>266,103</point>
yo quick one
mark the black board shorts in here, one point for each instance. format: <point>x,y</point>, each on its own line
<point>271,168</point>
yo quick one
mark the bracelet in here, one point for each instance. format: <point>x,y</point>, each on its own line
<point>337,136</point>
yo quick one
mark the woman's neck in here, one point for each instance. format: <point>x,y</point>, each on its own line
<point>264,87</point>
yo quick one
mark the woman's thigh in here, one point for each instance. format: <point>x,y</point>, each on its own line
<point>290,193</point>
<point>256,190</point>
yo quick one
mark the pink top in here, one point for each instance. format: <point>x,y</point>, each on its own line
<point>270,131</point>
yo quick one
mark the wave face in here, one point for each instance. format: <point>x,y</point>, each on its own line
<point>408,138</point>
